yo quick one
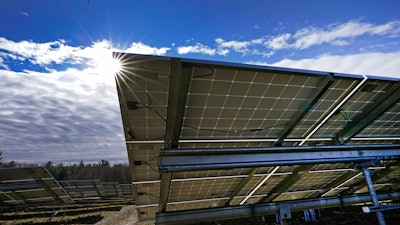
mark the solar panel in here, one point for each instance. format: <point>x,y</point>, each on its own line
<point>83,190</point>
<point>30,186</point>
<point>127,190</point>
<point>112,189</point>
<point>173,105</point>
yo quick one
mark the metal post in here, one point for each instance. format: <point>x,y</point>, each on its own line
<point>367,175</point>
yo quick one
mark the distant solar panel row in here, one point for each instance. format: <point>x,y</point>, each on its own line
<point>30,185</point>
<point>34,185</point>
<point>173,103</point>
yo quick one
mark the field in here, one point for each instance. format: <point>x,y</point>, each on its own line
<point>100,212</point>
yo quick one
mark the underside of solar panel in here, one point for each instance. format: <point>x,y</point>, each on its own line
<point>210,137</point>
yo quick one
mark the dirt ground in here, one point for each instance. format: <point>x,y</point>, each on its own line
<point>126,216</point>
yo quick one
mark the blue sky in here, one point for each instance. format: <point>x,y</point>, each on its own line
<point>58,99</point>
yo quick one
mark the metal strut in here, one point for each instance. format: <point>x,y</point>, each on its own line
<point>367,175</point>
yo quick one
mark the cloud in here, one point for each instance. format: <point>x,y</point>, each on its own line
<point>279,42</point>
<point>57,116</point>
<point>338,35</point>
<point>198,48</point>
<point>59,103</point>
<point>140,48</point>
<point>335,34</point>
<point>242,47</point>
<point>3,65</point>
<point>59,52</point>
<point>24,13</point>
<point>38,53</point>
<point>378,64</point>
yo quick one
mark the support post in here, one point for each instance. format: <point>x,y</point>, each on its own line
<point>178,87</point>
<point>367,175</point>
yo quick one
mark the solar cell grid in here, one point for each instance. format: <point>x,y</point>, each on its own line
<point>295,195</point>
<point>387,125</point>
<point>315,180</point>
<point>232,105</point>
<point>145,160</point>
<point>239,107</point>
<point>202,189</point>
<point>325,104</point>
<point>147,193</point>
<point>353,107</point>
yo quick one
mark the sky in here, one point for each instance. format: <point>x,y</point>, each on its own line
<point>58,99</point>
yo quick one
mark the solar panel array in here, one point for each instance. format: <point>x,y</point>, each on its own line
<point>86,190</point>
<point>217,105</point>
<point>30,185</point>
<point>81,190</point>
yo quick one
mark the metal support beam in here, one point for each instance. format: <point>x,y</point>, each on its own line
<point>227,158</point>
<point>213,214</point>
<point>305,108</point>
<point>241,185</point>
<point>382,104</point>
<point>359,185</point>
<point>178,86</point>
<point>338,182</point>
<point>374,197</point>
<point>47,187</point>
<point>328,116</point>
<point>298,173</point>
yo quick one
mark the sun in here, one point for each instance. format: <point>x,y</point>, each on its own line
<point>105,67</point>
<point>108,65</point>
<point>115,66</point>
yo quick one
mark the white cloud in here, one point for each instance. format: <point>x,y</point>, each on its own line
<point>378,64</point>
<point>140,48</point>
<point>279,42</point>
<point>335,34</point>
<point>68,114</point>
<point>58,52</point>
<point>242,47</point>
<point>24,13</point>
<point>39,53</point>
<point>3,65</point>
<point>338,34</point>
<point>59,116</point>
<point>198,48</point>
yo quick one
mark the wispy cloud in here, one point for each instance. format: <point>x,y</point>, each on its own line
<point>378,64</point>
<point>24,13</point>
<point>197,48</point>
<point>3,65</point>
<point>338,35</point>
<point>59,52</point>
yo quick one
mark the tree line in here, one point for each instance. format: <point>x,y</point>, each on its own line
<point>82,171</point>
